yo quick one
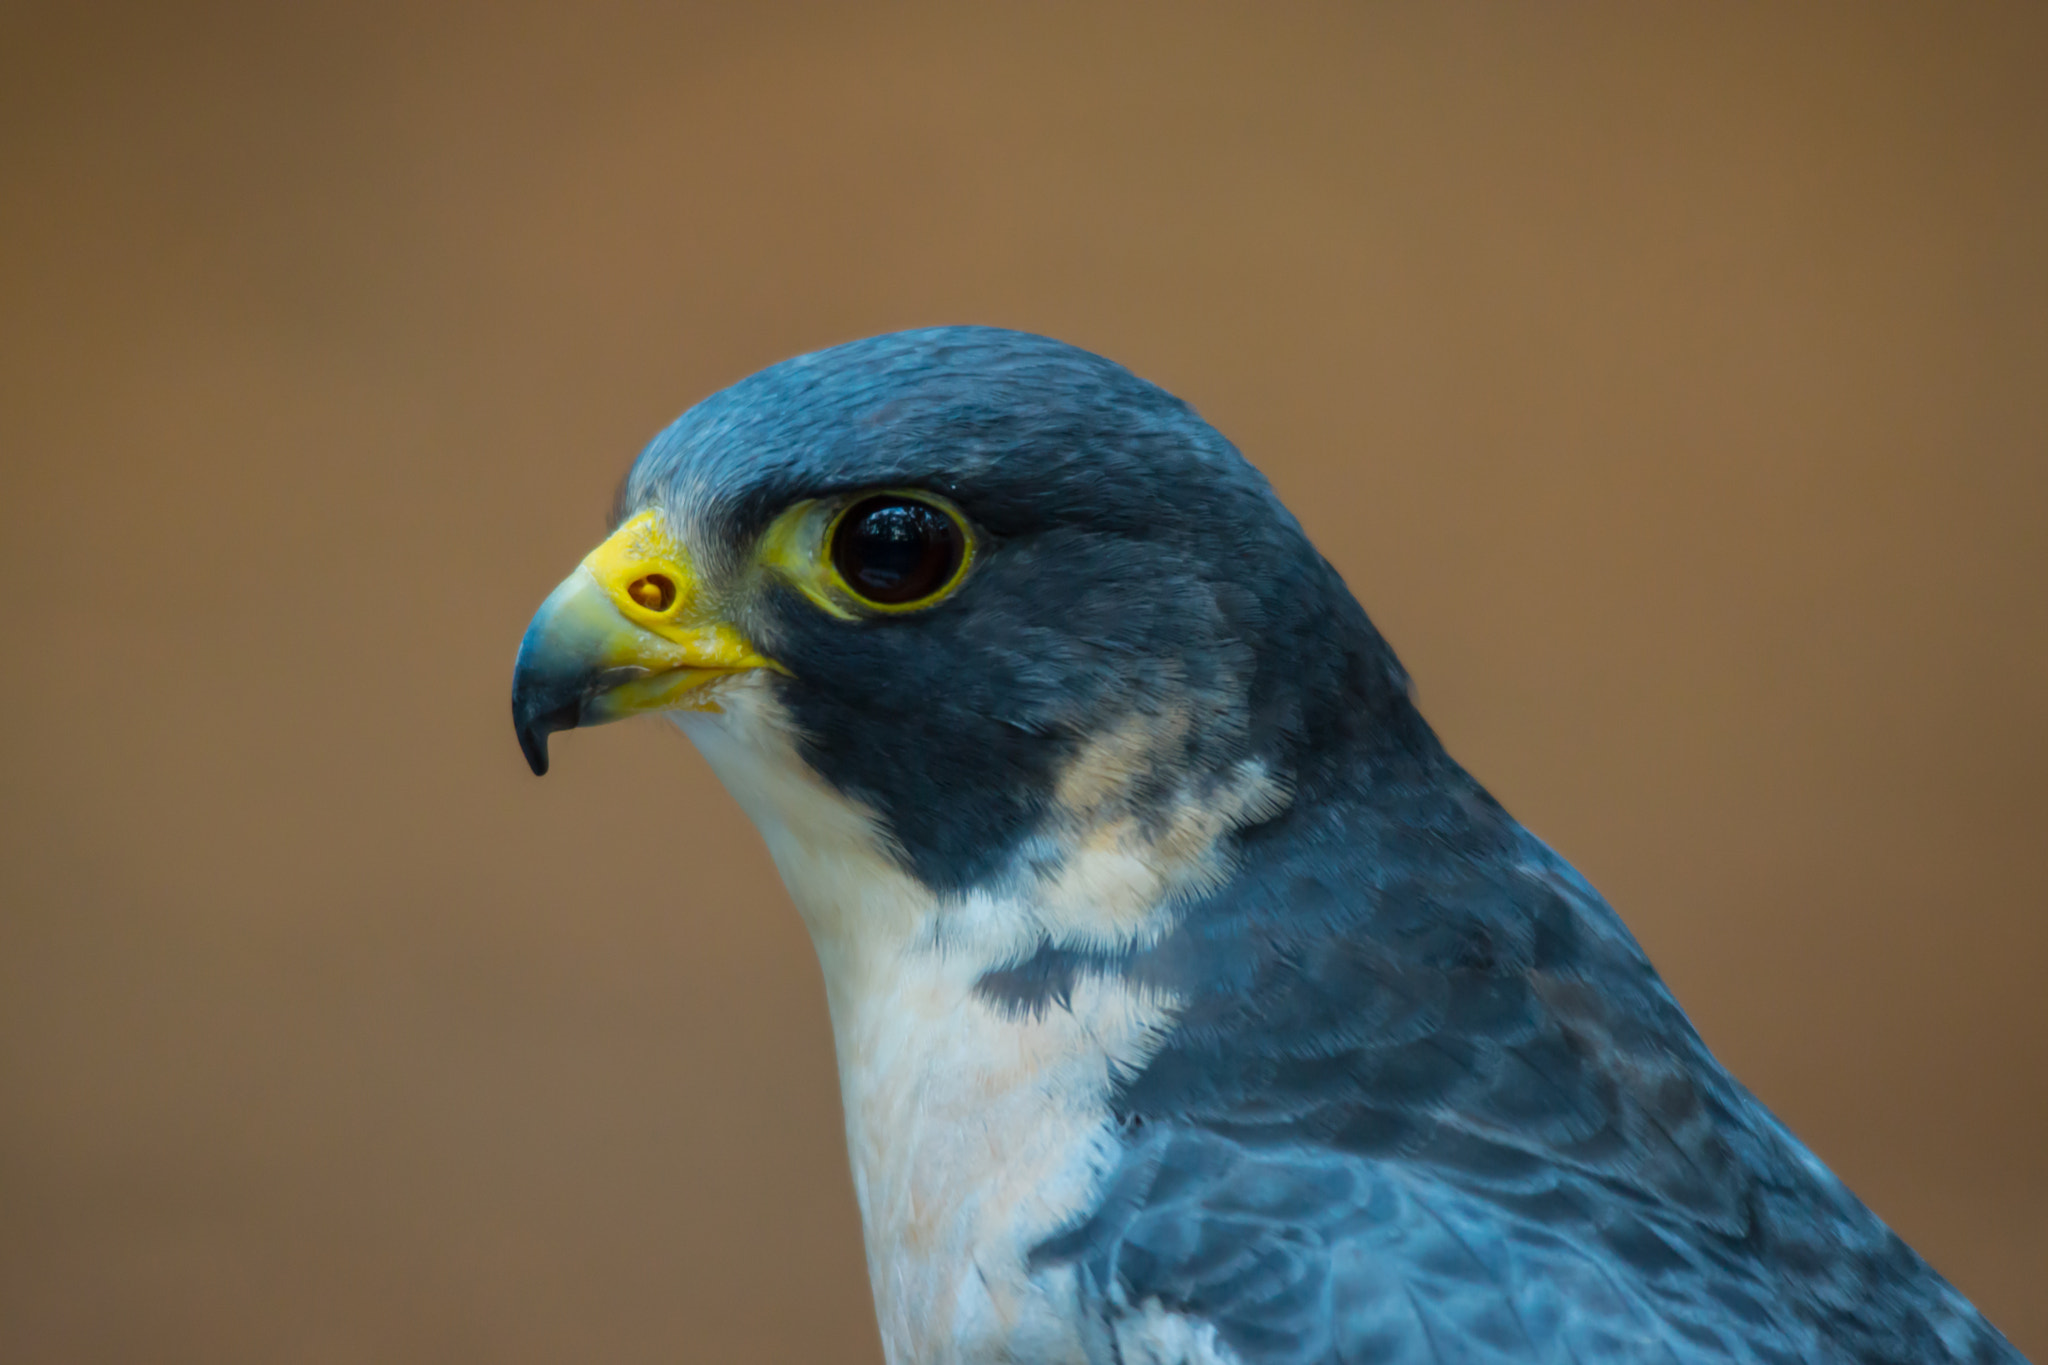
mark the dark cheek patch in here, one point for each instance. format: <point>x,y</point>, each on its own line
<point>957,724</point>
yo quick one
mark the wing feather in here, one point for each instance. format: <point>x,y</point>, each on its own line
<point>1454,1116</point>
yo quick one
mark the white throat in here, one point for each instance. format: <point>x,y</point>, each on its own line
<point>974,1132</point>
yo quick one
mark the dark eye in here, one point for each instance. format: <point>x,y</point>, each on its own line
<point>894,550</point>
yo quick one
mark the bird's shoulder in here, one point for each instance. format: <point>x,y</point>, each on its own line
<point>1427,1100</point>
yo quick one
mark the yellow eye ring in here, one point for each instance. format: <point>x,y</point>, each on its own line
<point>896,550</point>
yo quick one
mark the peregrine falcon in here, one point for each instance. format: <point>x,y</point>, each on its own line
<point>1191,1004</point>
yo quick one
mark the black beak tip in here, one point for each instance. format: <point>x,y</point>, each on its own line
<point>534,744</point>
<point>533,732</point>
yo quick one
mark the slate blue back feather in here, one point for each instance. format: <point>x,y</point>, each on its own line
<point>1429,1102</point>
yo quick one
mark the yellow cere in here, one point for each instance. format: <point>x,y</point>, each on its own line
<point>671,631</point>
<point>649,577</point>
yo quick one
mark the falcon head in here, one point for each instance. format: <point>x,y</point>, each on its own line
<point>986,603</point>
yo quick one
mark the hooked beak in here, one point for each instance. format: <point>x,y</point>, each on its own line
<point>629,631</point>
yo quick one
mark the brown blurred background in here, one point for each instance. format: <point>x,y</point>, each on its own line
<point>1671,382</point>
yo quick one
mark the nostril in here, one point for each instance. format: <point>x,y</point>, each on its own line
<point>655,591</point>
